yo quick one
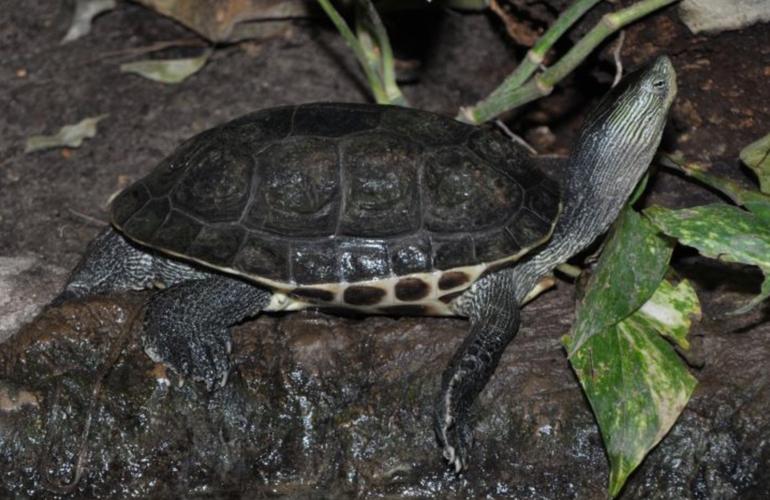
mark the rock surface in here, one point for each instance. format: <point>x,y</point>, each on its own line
<point>325,406</point>
<point>26,284</point>
<point>321,406</point>
<point>716,15</point>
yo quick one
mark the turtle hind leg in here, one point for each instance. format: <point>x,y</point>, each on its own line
<point>494,320</point>
<point>187,325</point>
<point>112,263</point>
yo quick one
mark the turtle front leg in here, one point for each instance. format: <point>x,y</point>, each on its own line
<point>494,317</point>
<point>113,264</point>
<point>187,326</point>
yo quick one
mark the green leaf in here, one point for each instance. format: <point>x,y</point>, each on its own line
<point>634,380</point>
<point>166,70</point>
<point>669,311</point>
<point>629,270</point>
<point>71,136</point>
<point>752,199</point>
<point>721,232</point>
<point>756,156</point>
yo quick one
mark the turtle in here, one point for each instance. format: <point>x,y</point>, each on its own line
<point>373,208</point>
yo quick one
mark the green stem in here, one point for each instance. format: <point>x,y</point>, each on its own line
<point>382,61</point>
<point>504,99</point>
<point>537,53</point>
<point>374,81</point>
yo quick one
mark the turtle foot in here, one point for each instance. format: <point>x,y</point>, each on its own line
<point>187,326</point>
<point>202,357</point>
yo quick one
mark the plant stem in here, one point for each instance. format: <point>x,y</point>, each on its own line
<point>374,80</point>
<point>508,96</point>
<point>381,58</point>
<point>537,53</point>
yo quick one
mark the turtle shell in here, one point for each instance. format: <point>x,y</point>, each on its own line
<point>309,198</point>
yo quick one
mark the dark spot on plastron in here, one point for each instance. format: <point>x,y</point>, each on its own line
<point>362,295</point>
<point>446,299</point>
<point>411,289</point>
<point>406,310</point>
<point>452,279</point>
<point>314,294</point>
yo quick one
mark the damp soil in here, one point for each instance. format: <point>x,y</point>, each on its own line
<point>321,406</point>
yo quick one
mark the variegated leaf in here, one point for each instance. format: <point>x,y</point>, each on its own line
<point>721,232</point>
<point>753,200</point>
<point>634,380</point>
<point>631,266</point>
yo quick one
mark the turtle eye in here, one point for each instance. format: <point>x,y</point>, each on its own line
<point>658,85</point>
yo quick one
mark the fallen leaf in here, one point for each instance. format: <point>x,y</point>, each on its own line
<point>233,20</point>
<point>166,70</point>
<point>70,135</point>
<point>85,12</point>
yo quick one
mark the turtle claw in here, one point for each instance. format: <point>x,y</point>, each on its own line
<point>454,459</point>
<point>200,356</point>
<point>453,435</point>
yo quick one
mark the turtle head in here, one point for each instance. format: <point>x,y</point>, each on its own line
<point>618,141</point>
<point>613,151</point>
<point>631,117</point>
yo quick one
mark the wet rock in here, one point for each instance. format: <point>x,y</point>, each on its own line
<point>329,406</point>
